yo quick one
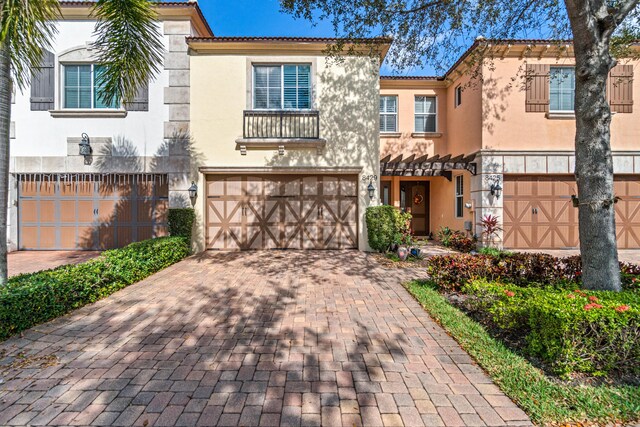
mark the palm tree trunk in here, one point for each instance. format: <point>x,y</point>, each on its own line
<point>5,123</point>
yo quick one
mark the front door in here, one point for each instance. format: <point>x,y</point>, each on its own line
<point>414,198</point>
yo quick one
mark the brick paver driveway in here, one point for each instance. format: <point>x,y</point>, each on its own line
<point>269,338</point>
<point>32,261</point>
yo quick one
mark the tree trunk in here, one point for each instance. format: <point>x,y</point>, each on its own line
<point>594,164</point>
<point>5,123</point>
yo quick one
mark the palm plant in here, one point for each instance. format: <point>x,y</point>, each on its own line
<point>129,46</point>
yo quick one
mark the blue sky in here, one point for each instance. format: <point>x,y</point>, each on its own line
<point>262,18</point>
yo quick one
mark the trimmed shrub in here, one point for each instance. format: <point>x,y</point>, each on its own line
<point>31,299</point>
<point>571,330</point>
<point>386,226</point>
<point>457,240</point>
<point>181,222</point>
<point>522,269</point>
<point>461,242</point>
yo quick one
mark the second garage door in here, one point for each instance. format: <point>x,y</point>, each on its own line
<point>90,211</point>
<point>281,212</point>
<point>538,213</point>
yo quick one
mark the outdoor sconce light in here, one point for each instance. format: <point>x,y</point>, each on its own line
<point>193,191</point>
<point>496,189</point>
<point>85,146</point>
<point>372,190</point>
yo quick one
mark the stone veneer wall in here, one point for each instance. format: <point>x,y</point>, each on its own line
<point>177,98</point>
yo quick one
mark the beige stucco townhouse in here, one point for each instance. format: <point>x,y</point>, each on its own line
<point>499,139</point>
<point>289,142</point>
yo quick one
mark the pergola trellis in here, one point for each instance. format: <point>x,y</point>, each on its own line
<point>427,166</point>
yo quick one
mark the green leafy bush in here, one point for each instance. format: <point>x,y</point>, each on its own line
<point>455,239</point>
<point>461,242</point>
<point>181,222</point>
<point>522,269</point>
<point>571,330</point>
<point>494,252</point>
<point>31,299</point>
<point>386,226</point>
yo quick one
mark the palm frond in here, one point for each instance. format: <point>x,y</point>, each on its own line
<point>130,47</point>
<point>27,27</point>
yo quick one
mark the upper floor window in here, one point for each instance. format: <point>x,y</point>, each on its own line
<point>459,196</point>
<point>282,87</point>
<point>82,87</point>
<point>425,114</point>
<point>458,96</point>
<point>562,88</point>
<point>389,113</point>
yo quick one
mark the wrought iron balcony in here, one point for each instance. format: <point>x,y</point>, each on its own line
<point>281,124</point>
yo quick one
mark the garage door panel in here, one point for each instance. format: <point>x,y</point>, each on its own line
<point>47,238</point>
<point>28,237</point>
<point>47,211</point>
<point>254,238</point>
<point>80,211</point>
<point>215,237</point>
<point>254,186</point>
<point>68,236</point>
<point>68,212</point>
<point>292,187</point>
<point>555,225</point>
<point>282,211</point>
<point>47,188</point>
<point>29,211</point>
<point>310,186</point>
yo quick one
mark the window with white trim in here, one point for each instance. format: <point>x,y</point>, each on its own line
<point>286,86</point>
<point>425,114</point>
<point>82,87</point>
<point>458,96</point>
<point>459,196</point>
<point>562,88</point>
<point>388,113</point>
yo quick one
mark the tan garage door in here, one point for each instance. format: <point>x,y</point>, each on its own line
<point>281,212</point>
<point>538,212</point>
<point>90,212</point>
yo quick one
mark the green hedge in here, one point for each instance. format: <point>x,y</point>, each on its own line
<point>31,299</point>
<point>181,222</point>
<point>386,225</point>
<point>571,330</point>
<point>522,269</point>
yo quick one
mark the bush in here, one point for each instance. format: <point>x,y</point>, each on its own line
<point>31,299</point>
<point>522,269</point>
<point>461,242</point>
<point>181,222</point>
<point>386,226</point>
<point>572,331</point>
<point>494,252</point>
<point>457,240</point>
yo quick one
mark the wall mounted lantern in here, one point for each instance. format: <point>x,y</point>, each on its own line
<point>85,146</point>
<point>193,191</point>
<point>372,190</point>
<point>496,189</point>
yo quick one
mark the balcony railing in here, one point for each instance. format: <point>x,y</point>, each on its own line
<point>281,124</point>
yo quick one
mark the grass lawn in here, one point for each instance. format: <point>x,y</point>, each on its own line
<point>546,401</point>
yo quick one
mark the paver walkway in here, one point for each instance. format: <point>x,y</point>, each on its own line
<point>32,261</point>
<point>269,338</point>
